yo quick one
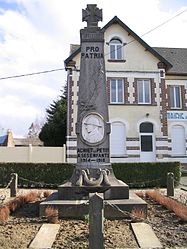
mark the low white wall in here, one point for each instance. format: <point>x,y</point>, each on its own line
<point>33,154</point>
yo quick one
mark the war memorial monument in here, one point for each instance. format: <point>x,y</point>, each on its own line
<point>93,172</point>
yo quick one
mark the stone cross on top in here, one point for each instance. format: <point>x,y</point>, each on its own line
<point>92,15</point>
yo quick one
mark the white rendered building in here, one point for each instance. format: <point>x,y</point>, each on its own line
<point>147,98</point>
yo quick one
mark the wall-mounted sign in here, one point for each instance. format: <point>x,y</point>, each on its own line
<point>177,115</point>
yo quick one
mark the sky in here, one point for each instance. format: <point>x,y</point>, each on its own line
<point>35,35</point>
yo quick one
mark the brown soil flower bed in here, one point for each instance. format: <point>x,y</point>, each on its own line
<point>22,226</point>
<point>169,228</point>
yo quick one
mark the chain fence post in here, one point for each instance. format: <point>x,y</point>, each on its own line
<point>170,184</point>
<point>14,185</point>
<point>96,216</point>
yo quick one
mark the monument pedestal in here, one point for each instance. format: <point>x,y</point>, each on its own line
<point>112,188</point>
<point>69,192</point>
<point>73,201</point>
<point>113,209</point>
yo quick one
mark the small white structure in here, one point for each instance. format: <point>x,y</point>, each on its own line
<point>33,154</point>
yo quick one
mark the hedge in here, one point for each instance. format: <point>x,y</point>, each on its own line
<point>51,175</point>
<point>39,174</point>
<point>146,174</point>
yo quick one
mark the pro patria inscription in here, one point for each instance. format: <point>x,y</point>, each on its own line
<point>92,53</point>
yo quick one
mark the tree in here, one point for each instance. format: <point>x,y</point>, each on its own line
<point>35,128</point>
<point>53,132</point>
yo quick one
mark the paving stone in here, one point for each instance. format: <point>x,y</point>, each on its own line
<point>45,237</point>
<point>145,236</point>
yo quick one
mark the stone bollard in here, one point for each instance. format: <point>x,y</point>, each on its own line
<point>14,185</point>
<point>96,214</point>
<point>170,184</point>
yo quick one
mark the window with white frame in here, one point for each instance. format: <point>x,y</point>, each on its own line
<point>144,91</point>
<point>116,49</point>
<point>175,97</point>
<point>116,91</point>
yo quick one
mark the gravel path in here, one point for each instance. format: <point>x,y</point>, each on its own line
<point>21,228</point>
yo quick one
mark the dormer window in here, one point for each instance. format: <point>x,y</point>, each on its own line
<point>116,49</point>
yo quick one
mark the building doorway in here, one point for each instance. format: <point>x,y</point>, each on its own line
<point>147,142</point>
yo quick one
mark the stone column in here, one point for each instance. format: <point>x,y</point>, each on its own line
<point>92,126</point>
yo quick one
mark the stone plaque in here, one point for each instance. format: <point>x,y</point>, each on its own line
<point>93,128</point>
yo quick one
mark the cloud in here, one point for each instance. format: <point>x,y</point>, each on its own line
<point>11,104</point>
<point>35,35</point>
<point>26,49</point>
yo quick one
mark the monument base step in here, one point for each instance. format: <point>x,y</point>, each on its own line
<point>118,190</point>
<point>113,209</point>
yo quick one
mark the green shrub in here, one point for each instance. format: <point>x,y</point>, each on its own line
<point>146,174</point>
<point>36,174</point>
<point>51,175</point>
